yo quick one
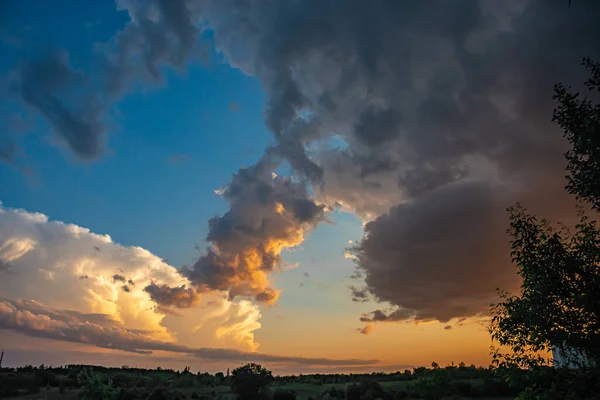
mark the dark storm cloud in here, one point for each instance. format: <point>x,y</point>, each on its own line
<point>37,320</point>
<point>377,126</point>
<point>444,109</point>
<point>443,257</point>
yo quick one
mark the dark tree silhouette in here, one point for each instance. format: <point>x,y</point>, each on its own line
<point>580,120</point>
<point>248,380</point>
<point>559,303</point>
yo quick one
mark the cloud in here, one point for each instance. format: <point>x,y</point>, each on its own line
<point>382,108</point>
<point>382,316</point>
<point>34,319</point>
<point>367,329</point>
<point>49,84</point>
<point>359,295</point>
<point>180,297</point>
<point>443,256</point>
<point>47,256</point>
<point>75,101</point>
<point>267,215</point>
<point>427,120</point>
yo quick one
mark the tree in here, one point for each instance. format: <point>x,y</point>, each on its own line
<point>248,380</point>
<point>558,307</point>
<point>559,303</point>
<point>579,119</point>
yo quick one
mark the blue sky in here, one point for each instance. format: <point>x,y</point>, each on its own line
<point>169,146</point>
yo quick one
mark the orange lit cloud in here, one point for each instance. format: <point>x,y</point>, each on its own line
<point>43,257</point>
<point>268,214</point>
<point>367,329</point>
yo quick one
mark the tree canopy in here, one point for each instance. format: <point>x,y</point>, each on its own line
<point>579,118</point>
<point>248,380</point>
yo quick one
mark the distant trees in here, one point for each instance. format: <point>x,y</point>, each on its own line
<point>558,307</point>
<point>248,380</point>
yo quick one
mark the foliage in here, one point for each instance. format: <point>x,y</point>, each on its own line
<point>249,379</point>
<point>558,307</point>
<point>580,120</point>
<point>559,303</point>
<point>94,388</point>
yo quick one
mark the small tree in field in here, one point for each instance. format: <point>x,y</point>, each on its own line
<point>248,380</point>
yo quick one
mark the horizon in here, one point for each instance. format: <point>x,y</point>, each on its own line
<point>310,185</point>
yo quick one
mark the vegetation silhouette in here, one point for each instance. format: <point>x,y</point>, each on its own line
<point>558,308</point>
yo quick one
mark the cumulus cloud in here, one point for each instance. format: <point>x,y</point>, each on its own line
<point>47,256</point>
<point>267,215</point>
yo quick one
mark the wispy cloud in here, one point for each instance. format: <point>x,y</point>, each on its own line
<point>34,319</point>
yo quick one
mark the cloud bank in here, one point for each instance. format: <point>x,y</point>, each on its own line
<point>34,319</point>
<point>424,118</point>
<point>44,257</point>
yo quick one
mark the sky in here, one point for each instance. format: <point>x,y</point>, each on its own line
<point>315,185</point>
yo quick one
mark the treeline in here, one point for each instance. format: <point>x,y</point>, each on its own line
<point>460,371</point>
<point>248,382</point>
